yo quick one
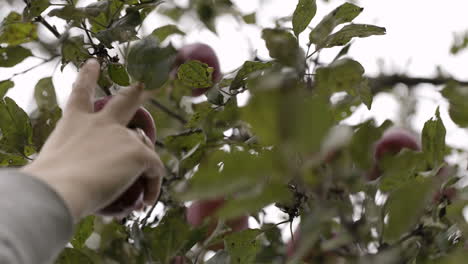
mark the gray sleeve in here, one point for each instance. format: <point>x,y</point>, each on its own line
<point>35,223</point>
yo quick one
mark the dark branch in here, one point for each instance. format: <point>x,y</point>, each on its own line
<point>383,82</point>
<point>48,26</point>
<point>168,111</point>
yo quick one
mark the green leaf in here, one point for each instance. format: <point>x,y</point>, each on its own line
<point>400,169</point>
<point>175,231</point>
<point>5,86</point>
<point>150,63</point>
<point>10,56</point>
<point>248,68</point>
<point>118,74</point>
<point>404,206</point>
<point>342,14</point>
<point>122,30</point>
<point>165,31</point>
<point>184,142</point>
<point>195,74</point>
<point>433,140</point>
<point>344,75</point>
<point>68,13</point>
<point>348,32</point>
<point>457,96</point>
<point>243,246</point>
<point>73,50</point>
<point>82,231</point>
<point>108,11</point>
<point>44,93</point>
<point>48,114</point>
<point>250,18</point>
<point>362,143</point>
<point>220,174</point>
<point>271,193</point>
<point>15,128</point>
<point>35,8</point>
<point>284,47</point>
<point>13,31</point>
<point>11,160</point>
<point>206,12</point>
<point>305,11</point>
<point>73,256</point>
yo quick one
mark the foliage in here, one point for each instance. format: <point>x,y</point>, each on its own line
<point>287,146</point>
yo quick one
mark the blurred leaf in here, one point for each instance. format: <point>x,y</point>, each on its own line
<point>15,128</point>
<point>195,74</point>
<point>13,31</point>
<point>243,246</point>
<point>35,8</point>
<point>344,75</point>
<point>342,14</point>
<point>348,32</point>
<point>206,12</point>
<point>5,86</point>
<point>304,120</point>
<point>175,231</point>
<point>121,30</point>
<point>150,63</point>
<point>248,68</point>
<point>174,13</point>
<point>305,11</point>
<point>220,174</point>
<point>363,140</point>
<point>68,13</point>
<point>103,13</point>
<point>11,160</point>
<point>404,206</point>
<point>342,52</point>
<point>400,169</point>
<point>73,256</point>
<point>82,231</point>
<point>46,117</point>
<point>262,113</point>
<point>457,96</point>
<point>284,47</point>
<point>10,56</point>
<point>73,51</point>
<point>184,142</point>
<point>118,74</point>
<point>250,18</point>
<point>270,193</point>
<point>433,140</point>
<point>165,31</point>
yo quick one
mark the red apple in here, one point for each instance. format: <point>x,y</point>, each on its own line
<point>132,198</point>
<point>448,194</point>
<point>391,143</point>
<point>200,210</point>
<point>200,52</point>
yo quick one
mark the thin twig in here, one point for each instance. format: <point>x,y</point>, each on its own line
<point>382,82</point>
<point>34,67</point>
<point>46,24</point>
<point>168,111</point>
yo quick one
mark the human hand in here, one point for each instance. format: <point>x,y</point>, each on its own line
<point>92,158</point>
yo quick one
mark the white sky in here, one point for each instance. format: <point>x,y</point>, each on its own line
<point>419,36</point>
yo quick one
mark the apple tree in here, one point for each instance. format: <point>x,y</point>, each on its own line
<point>365,193</point>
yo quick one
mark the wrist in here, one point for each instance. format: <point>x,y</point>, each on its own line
<point>55,180</point>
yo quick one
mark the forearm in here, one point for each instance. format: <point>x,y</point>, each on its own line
<point>35,223</point>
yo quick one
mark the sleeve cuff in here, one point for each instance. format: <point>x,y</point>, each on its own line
<point>35,222</point>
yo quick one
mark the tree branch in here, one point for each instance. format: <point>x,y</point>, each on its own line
<point>46,24</point>
<point>168,111</point>
<point>383,82</point>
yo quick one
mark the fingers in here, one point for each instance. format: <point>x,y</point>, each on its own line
<point>81,97</point>
<point>154,175</point>
<point>123,106</point>
<point>152,190</point>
